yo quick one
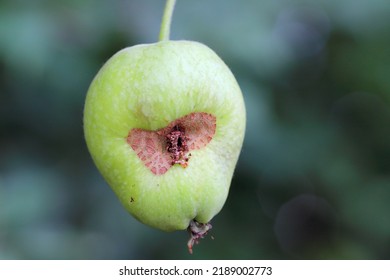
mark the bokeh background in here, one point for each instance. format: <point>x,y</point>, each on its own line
<point>313,179</point>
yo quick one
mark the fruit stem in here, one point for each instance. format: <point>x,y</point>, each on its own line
<point>166,20</point>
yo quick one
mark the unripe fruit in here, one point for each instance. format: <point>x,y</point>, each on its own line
<point>164,124</point>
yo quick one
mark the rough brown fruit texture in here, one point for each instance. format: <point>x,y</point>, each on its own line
<point>160,149</point>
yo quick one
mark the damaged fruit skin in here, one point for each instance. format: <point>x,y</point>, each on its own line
<point>147,87</point>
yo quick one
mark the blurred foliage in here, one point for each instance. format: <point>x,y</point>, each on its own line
<point>313,180</point>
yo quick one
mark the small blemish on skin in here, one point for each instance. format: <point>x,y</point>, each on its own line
<point>131,199</point>
<point>160,149</point>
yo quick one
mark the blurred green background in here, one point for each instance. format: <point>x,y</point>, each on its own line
<point>313,179</point>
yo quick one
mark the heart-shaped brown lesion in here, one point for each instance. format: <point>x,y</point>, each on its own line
<point>160,149</point>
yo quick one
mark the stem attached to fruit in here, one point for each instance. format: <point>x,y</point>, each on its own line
<point>166,20</point>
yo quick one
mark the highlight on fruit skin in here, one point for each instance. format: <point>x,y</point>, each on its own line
<point>164,124</point>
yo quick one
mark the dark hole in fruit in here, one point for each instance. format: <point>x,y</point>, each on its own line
<point>177,145</point>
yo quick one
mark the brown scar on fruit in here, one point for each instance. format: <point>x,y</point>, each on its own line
<point>160,149</point>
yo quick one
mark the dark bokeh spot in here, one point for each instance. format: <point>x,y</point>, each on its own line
<point>305,224</point>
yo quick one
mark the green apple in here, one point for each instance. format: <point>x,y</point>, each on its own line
<point>164,124</point>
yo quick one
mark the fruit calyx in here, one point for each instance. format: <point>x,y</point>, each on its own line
<point>197,231</point>
<point>160,149</point>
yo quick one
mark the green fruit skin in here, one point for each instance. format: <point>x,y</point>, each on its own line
<point>148,86</point>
